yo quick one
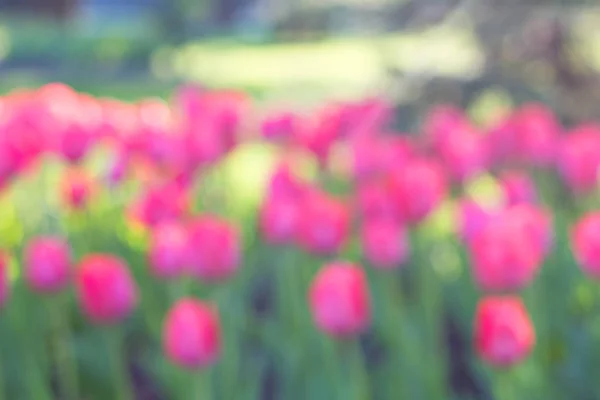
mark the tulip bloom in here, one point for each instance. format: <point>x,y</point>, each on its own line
<point>384,243</point>
<point>168,254</point>
<point>106,290</point>
<point>47,264</point>
<point>324,224</point>
<point>214,248</point>
<point>161,203</point>
<point>374,201</point>
<point>373,155</point>
<point>536,222</point>
<point>518,188</point>
<point>504,334</point>
<point>192,334</point>
<point>284,182</point>
<point>75,141</point>
<point>279,126</point>
<point>441,122</point>
<point>506,254</point>
<point>585,242</point>
<point>340,300</point>
<point>417,189</point>
<point>465,153</point>
<point>279,219</point>
<point>472,218</point>
<point>579,158</point>
<point>537,134</point>
<point>76,189</point>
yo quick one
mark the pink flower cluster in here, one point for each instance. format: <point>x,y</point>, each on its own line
<point>391,183</point>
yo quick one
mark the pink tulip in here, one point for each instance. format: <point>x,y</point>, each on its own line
<point>285,182</point>
<point>163,202</point>
<point>417,189</point>
<point>538,133</point>
<point>319,137</point>
<point>384,243</point>
<point>192,334</point>
<point>117,169</point>
<point>465,153</point>
<point>373,155</point>
<point>374,201</point>
<point>340,300</point>
<point>473,217</point>
<point>106,290</point>
<point>76,189</point>
<point>212,123</point>
<point>518,188</point>
<point>47,264</point>
<point>503,332</point>
<point>502,141</point>
<point>585,242</point>
<point>324,223</point>
<point>214,248</point>
<point>579,158</point>
<point>280,126</point>
<point>442,122</point>
<point>536,222</point>
<point>279,219</point>
<point>506,254</point>
<point>168,254</point>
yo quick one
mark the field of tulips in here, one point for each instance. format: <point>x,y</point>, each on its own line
<point>210,248</point>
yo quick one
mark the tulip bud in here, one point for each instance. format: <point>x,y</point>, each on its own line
<point>538,134</point>
<point>214,248</point>
<point>579,158</point>
<point>473,217</point>
<point>417,189</point>
<point>518,188</point>
<point>161,203</point>
<point>47,264</point>
<point>340,300</point>
<point>384,243</point>
<point>74,142</point>
<point>585,242</point>
<point>106,290</point>
<point>465,153</point>
<point>192,334</point>
<point>505,254</point>
<point>504,334</point>
<point>279,218</point>
<point>168,254</point>
<point>77,189</point>
<point>324,224</point>
<point>373,200</point>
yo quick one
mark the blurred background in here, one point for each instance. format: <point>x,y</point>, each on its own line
<point>481,55</point>
<point>476,53</point>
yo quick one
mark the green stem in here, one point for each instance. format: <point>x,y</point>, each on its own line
<point>35,373</point>
<point>395,322</point>
<point>2,357</point>
<point>290,302</point>
<point>329,362</point>
<point>353,382</point>
<point>202,385</point>
<point>234,320</point>
<point>430,293</point>
<point>119,368</point>
<point>178,289</point>
<point>504,386</point>
<point>65,361</point>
